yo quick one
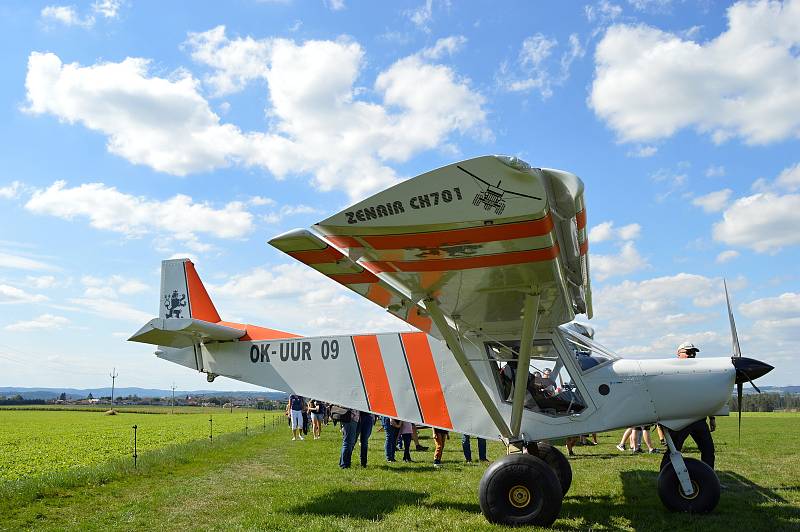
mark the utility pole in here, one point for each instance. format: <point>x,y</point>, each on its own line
<point>173,397</point>
<point>113,376</point>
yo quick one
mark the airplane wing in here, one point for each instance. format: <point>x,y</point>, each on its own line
<point>476,235</point>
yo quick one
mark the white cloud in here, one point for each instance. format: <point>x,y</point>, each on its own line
<point>605,231</point>
<point>650,83</point>
<point>715,171</point>
<point>45,322</point>
<point>335,5</point>
<point>69,16</point>
<point>41,281</point>
<point>786,305</point>
<point>289,210</point>
<point>603,12</point>
<point>535,69</point>
<point>105,287</point>
<point>445,46</point>
<point>8,260</point>
<point>789,179</point>
<point>629,232</point>
<point>11,191</point>
<point>66,15</point>
<point>713,201</point>
<point>764,222</point>
<point>658,6</point>
<point>727,256</point>
<point>112,309</point>
<point>318,124</point>
<point>652,317</point>
<point>235,62</point>
<point>260,201</point>
<point>643,152</point>
<point>12,294</point>
<point>625,262</point>
<point>107,8</point>
<point>601,232</point>
<point>112,210</point>
<point>422,15</point>
<point>162,123</point>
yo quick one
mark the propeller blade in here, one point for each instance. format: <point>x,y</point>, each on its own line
<point>739,387</point>
<point>737,352</point>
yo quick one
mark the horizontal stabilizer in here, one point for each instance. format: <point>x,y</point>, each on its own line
<point>184,332</point>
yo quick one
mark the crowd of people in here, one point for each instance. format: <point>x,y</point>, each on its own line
<point>357,426</point>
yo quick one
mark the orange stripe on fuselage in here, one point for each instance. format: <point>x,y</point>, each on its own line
<point>376,382</point>
<point>200,303</point>
<point>426,380</point>
<point>470,235</point>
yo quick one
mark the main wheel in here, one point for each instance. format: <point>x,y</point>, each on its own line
<point>705,484</point>
<point>519,490</point>
<point>558,463</point>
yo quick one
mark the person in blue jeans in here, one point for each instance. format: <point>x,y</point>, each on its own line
<point>391,427</point>
<point>365,423</point>
<point>468,451</point>
<point>349,434</point>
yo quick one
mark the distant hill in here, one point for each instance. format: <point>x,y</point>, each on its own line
<point>73,393</point>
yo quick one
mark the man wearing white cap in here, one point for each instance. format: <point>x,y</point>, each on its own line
<point>699,430</point>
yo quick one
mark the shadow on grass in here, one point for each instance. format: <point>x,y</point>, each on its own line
<point>743,504</point>
<point>362,504</point>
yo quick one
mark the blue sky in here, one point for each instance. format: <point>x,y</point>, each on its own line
<point>136,131</point>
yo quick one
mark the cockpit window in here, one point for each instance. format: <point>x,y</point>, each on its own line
<point>588,353</point>
<point>550,388</point>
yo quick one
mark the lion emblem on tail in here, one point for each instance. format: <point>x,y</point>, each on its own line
<point>173,304</point>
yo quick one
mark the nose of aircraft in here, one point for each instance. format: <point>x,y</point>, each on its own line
<point>749,369</point>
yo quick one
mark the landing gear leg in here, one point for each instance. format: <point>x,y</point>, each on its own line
<point>520,490</point>
<point>686,484</point>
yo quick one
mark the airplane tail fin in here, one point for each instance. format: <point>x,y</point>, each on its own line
<point>183,294</point>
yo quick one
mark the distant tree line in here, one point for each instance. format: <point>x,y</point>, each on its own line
<point>19,400</point>
<point>766,402</point>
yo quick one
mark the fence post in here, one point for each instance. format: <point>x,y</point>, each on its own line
<point>246,422</point>
<point>211,428</point>
<point>265,422</point>
<point>135,454</point>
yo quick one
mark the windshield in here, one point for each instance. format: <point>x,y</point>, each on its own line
<point>588,353</point>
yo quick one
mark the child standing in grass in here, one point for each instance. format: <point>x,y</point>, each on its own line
<point>439,436</point>
<point>405,433</point>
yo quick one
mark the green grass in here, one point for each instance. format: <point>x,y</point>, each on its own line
<point>134,409</point>
<point>35,442</point>
<point>270,483</point>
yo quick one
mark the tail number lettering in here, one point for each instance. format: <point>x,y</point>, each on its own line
<point>330,349</point>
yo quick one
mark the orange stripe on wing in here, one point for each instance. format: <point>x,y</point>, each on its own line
<point>379,295</point>
<point>426,380</point>
<point>482,261</point>
<point>584,247</point>
<point>580,219</point>
<point>470,235</point>
<point>376,382</point>
<point>317,256</point>
<point>354,278</point>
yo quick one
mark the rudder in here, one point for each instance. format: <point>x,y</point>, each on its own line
<point>183,294</point>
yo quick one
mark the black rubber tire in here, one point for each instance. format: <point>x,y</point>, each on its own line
<point>558,463</point>
<point>704,480</point>
<point>520,490</point>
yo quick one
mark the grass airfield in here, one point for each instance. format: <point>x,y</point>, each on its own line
<point>264,481</point>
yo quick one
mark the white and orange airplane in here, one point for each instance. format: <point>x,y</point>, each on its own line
<point>487,258</point>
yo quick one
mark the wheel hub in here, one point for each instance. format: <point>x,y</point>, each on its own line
<point>695,491</point>
<point>519,496</point>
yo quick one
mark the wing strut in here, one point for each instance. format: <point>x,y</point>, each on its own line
<point>469,372</point>
<point>524,359</point>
